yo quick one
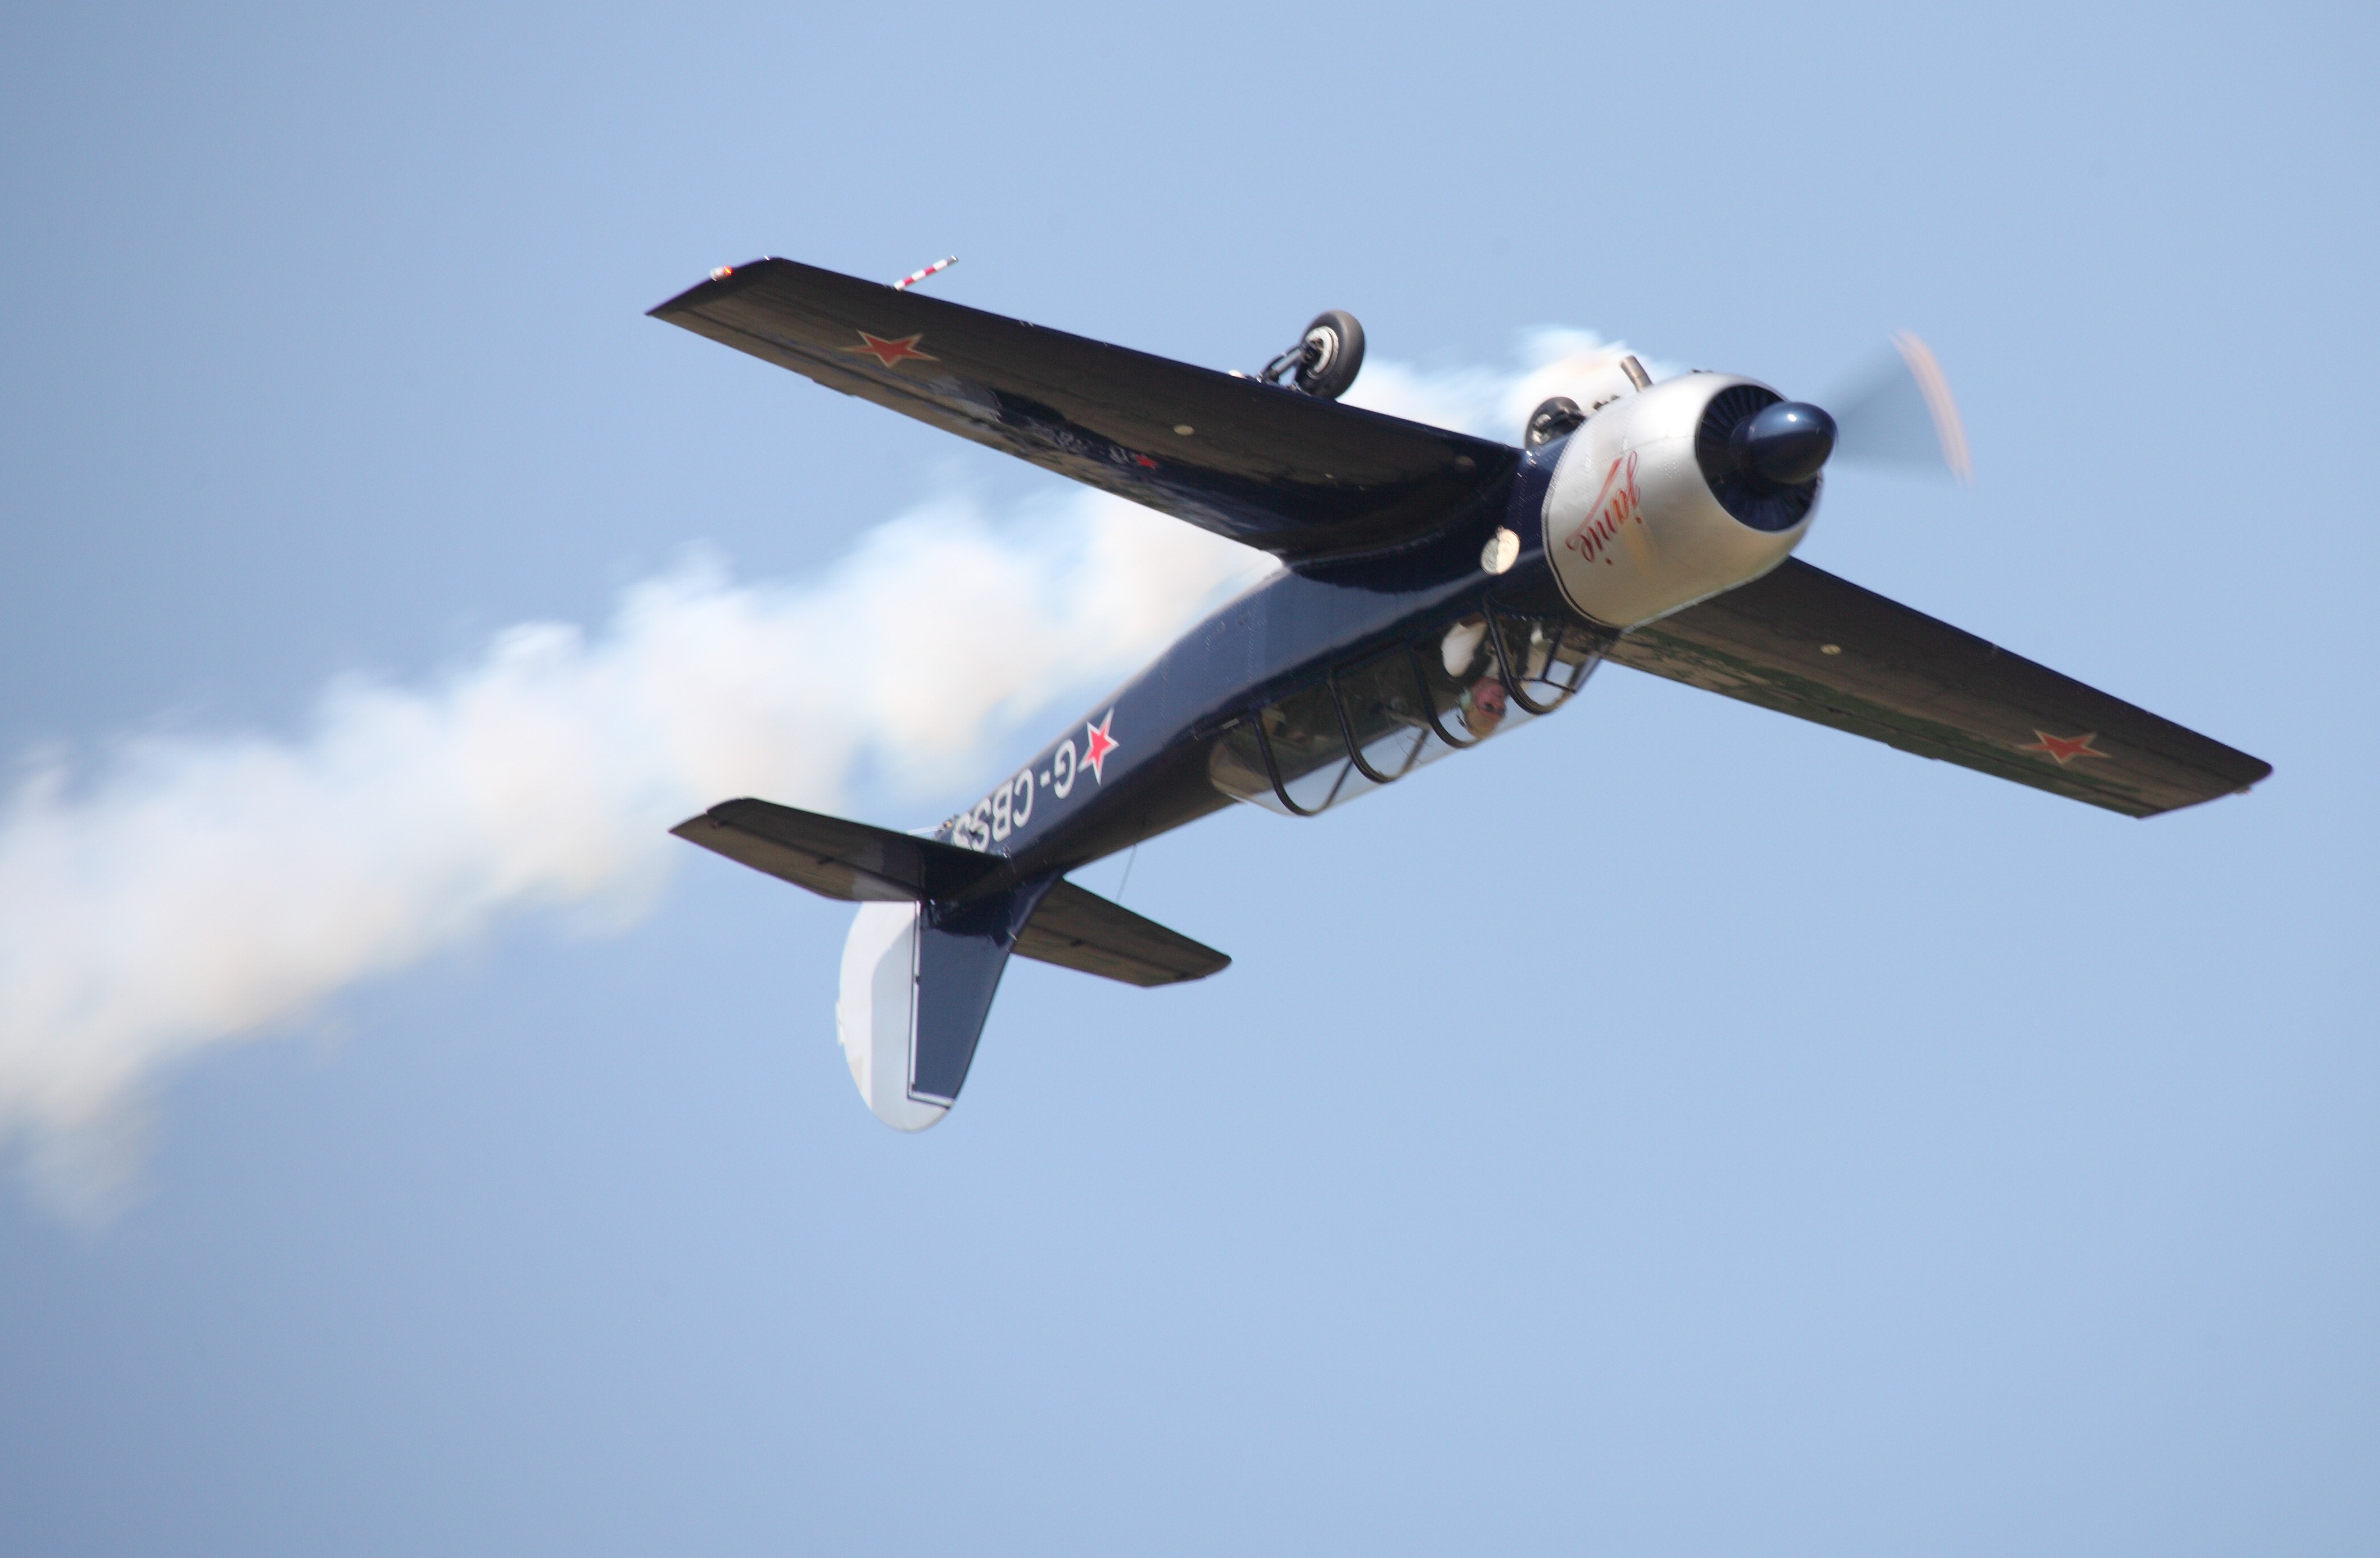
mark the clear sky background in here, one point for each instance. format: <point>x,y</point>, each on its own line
<point>1676,1129</point>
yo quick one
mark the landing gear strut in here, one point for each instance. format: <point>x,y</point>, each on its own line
<point>1326,358</point>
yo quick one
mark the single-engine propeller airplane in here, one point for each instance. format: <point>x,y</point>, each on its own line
<point>1436,590</point>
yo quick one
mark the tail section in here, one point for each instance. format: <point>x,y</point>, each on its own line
<point>933,937</point>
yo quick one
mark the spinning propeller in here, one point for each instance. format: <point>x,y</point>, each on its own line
<point>1896,411</point>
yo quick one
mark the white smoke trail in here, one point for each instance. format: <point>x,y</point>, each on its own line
<point>204,890</point>
<point>200,891</point>
<point>1494,404</point>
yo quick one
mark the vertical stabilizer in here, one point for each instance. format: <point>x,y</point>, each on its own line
<point>876,1012</point>
<point>918,983</point>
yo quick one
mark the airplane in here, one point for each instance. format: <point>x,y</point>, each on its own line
<point>1435,589</point>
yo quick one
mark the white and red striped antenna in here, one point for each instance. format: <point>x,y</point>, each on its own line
<point>914,278</point>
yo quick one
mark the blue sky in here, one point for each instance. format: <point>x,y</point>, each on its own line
<point>1675,1130</point>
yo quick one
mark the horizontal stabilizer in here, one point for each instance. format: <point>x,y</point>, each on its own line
<point>1078,929</point>
<point>838,858</point>
<point>1803,642</point>
<point>1277,470</point>
<point>835,857</point>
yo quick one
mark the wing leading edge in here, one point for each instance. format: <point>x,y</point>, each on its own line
<point>1274,468</point>
<point>1803,642</point>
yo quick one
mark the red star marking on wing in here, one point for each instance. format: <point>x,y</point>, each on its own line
<point>890,353</point>
<point>2065,749</point>
<point>1098,743</point>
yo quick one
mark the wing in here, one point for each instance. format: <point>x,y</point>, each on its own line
<point>1078,929</point>
<point>1803,642</point>
<point>1278,469</point>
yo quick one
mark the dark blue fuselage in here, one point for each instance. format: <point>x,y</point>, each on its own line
<point>1144,761</point>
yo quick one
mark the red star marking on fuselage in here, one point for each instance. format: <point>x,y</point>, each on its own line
<point>1098,743</point>
<point>2065,749</point>
<point>890,353</point>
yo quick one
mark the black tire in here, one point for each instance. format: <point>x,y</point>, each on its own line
<point>1557,417</point>
<point>1334,354</point>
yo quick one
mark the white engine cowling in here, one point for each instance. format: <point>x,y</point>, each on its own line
<point>1647,513</point>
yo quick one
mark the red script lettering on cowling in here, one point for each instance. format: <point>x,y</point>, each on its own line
<point>1615,505</point>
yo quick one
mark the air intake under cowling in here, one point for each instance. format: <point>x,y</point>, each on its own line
<point>1752,499</point>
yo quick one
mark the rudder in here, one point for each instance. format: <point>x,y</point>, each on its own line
<point>918,982</point>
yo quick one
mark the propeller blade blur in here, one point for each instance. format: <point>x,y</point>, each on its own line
<point>1899,413</point>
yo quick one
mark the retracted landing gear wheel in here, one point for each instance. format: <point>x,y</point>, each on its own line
<point>1332,354</point>
<point>1557,417</point>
